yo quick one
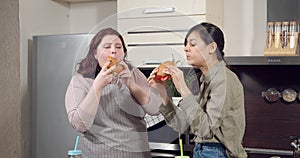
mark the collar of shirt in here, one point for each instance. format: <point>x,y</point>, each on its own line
<point>212,72</point>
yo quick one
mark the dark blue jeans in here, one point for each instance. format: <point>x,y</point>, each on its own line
<point>209,150</point>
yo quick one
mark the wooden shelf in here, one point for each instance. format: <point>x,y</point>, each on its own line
<point>251,60</point>
<point>263,60</point>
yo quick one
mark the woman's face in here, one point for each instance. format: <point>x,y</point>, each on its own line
<point>197,52</point>
<point>111,45</point>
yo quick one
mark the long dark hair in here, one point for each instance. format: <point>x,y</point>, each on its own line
<point>209,33</point>
<point>89,66</point>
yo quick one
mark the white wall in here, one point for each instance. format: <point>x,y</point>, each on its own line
<point>244,26</point>
<point>37,17</point>
<point>84,17</point>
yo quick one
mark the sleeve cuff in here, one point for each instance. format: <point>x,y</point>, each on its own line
<point>152,108</point>
<point>167,109</point>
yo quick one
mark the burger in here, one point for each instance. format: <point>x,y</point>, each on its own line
<point>112,62</point>
<point>160,76</point>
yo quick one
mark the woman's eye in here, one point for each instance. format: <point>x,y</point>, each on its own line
<point>118,46</point>
<point>192,44</point>
<point>106,46</point>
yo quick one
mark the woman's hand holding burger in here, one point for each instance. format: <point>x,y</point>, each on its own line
<point>178,80</point>
<point>158,78</point>
<point>164,72</point>
<point>125,75</point>
<point>104,77</point>
<point>114,62</point>
<point>120,70</point>
<point>159,86</point>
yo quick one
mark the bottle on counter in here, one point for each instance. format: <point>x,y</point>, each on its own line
<point>284,28</point>
<point>293,30</point>
<point>270,32</point>
<point>277,34</point>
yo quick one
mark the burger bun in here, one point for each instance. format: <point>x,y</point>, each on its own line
<point>113,61</point>
<point>160,76</point>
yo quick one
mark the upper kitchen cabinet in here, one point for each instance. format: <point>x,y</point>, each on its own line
<point>212,9</point>
<point>155,30</point>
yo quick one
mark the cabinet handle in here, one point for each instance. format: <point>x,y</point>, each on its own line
<point>159,10</point>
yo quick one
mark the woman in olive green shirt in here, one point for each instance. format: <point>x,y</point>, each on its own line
<point>216,116</point>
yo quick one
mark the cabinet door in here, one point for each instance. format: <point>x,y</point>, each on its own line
<point>156,8</point>
<point>157,30</point>
<point>127,26</point>
<point>156,39</point>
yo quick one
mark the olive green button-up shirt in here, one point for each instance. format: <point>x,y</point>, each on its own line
<point>217,114</point>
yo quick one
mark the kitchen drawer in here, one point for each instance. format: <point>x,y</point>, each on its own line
<point>156,39</point>
<point>156,8</point>
<point>172,36</point>
<point>151,56</point>
<point>146,25</point>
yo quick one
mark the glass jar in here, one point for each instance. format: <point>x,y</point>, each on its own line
<point>277,34</point>
<point>271,95</point>
<point>285,28</point>
<point>289,95</point>
<point>270,32</point>
<point>293,26</point>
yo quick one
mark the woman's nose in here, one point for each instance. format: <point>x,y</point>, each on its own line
<point>113,50</point>
<point>186,48</point>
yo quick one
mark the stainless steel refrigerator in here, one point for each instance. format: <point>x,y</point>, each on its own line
<point>53,61</point>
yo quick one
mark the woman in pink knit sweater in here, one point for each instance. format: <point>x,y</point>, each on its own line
<point>108,108</point>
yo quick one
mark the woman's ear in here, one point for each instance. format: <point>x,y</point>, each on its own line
<point>212,48</point>
<point>95,54</point>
